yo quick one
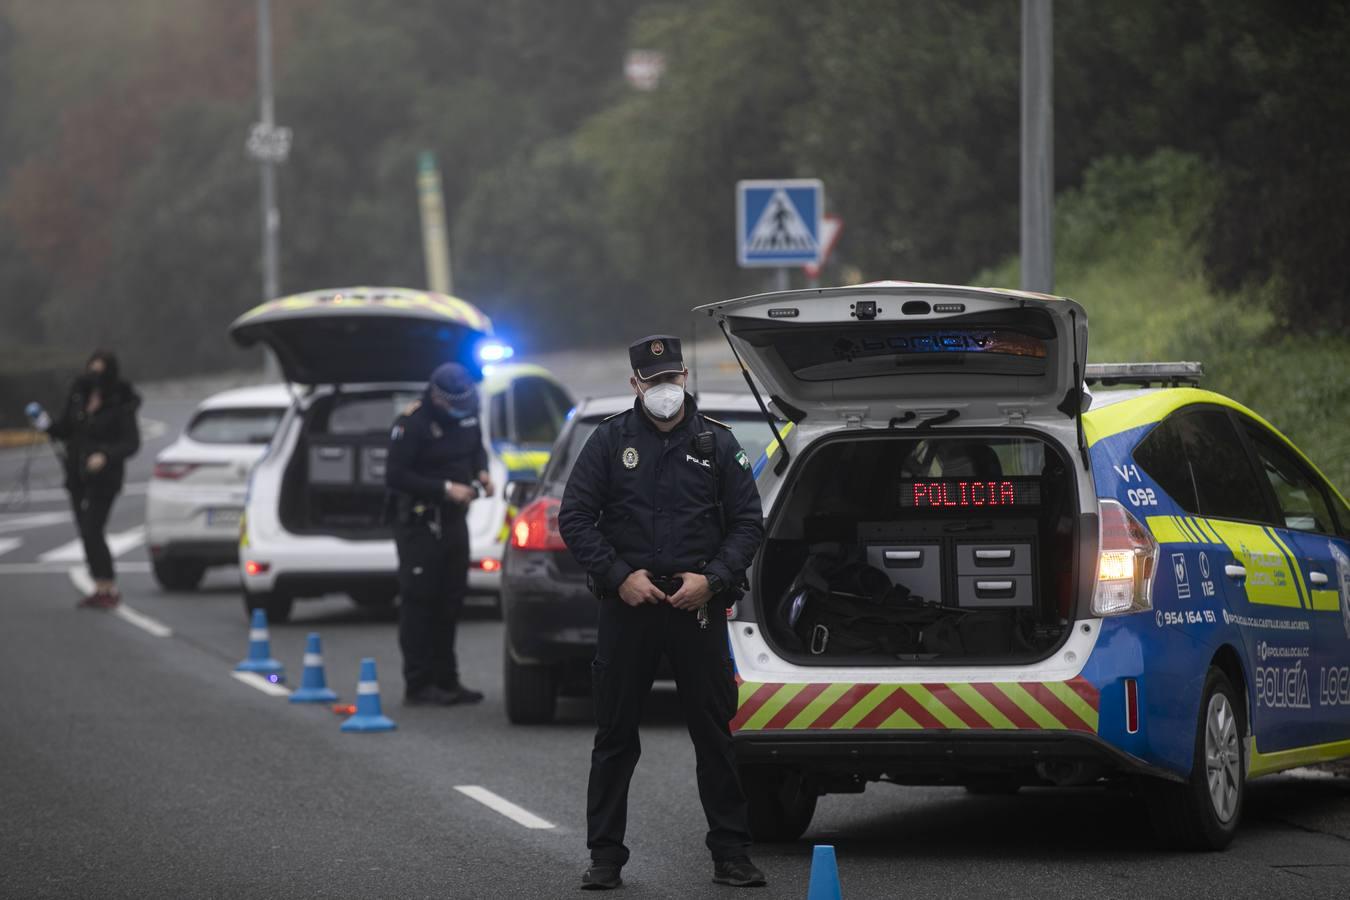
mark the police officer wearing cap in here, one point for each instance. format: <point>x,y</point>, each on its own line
<point>437,466</point>
<point>661,510</point>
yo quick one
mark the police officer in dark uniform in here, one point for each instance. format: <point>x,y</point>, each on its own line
<point>437,466</point>
<point>661,510</point>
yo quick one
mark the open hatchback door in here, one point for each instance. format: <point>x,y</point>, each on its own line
<point>364,335</point>
<point>912,351</point>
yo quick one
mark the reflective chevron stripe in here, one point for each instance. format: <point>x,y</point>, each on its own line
<point>1004,705</point>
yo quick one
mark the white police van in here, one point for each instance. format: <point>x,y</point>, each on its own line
<point>314,518</point>
<point>976,573</point>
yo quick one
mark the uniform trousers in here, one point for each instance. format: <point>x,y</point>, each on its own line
<point>433,574</point>
<point>630,646</point>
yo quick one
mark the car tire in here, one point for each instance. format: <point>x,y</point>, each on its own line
<point>277,606</point>
<point>781,803</point>
<point>178,574</point>
<point>1203,812</point>
<point>993,786</point>
<point>531,693</point>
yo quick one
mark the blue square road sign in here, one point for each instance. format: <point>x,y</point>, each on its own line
<point>778,223</point>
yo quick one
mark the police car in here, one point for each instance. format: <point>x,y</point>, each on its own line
<point>978,573</point>
<point>314,519</point>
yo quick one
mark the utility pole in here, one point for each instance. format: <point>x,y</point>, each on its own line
<point>435,244</point>
<point>1038,149</point>
<point>269,145</point>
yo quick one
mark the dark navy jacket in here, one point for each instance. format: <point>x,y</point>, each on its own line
<point>112,431</point>
<point>427,449</point>
<point>640,499</point>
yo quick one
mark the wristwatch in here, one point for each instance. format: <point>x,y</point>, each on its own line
<point>716,584</point>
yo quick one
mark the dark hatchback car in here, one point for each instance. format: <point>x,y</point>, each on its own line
<point>550,614</point>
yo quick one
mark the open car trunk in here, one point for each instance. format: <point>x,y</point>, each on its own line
<point>894,547</point>
<point>334,483</point>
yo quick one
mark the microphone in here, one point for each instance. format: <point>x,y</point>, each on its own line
<point>37,416</point>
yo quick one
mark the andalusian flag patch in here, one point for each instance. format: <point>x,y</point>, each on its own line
<point>741,458</point>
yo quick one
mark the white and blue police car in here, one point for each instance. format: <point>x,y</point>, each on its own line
<point>976,572</point>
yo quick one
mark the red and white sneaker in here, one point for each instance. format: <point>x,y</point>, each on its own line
<point>109,600</point>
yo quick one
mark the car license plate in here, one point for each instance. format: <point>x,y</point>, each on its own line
<point>223,516</point>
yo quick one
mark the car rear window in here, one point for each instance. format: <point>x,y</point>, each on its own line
<point>234,426</point>
<point>1198,458</point>
<point>749,427</point>
<point>367,413</point>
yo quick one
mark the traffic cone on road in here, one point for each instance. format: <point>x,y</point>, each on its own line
<point>259,657</point>
<point>368,715</point>
<point>313,686</point>
<point>824,875</point>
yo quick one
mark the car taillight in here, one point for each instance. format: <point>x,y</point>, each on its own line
<point>172,471</point>
<point>253,567</point>
<point>536,527</point>
<point>1127,557</point>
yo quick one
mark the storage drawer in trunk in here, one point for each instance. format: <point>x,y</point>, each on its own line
<point>1000,590</point>
<point>979,559</point>
<point>918,567</point>
<point>331,464</point>
<point>373,461</point>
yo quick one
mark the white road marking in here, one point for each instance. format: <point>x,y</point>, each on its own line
<point>254,680</point>
<point>126,568</point>
<point>8,544</point>
<point>36,520</point>
<point>122,542</point>
<point>85,585</point>
<point>515,813</point>
<point>47,495</point>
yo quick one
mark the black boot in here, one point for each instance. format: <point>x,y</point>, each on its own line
<point>428,696</point>
<point>601,876</point>
<point>738,871</point>
<point>458,693</point>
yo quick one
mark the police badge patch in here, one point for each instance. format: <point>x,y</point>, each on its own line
<point>630,458</point>
<point>743,460</point>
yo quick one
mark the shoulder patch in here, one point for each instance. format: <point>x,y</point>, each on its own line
<point>715,421</point>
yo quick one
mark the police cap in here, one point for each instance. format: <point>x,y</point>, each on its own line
<point>656,354</point>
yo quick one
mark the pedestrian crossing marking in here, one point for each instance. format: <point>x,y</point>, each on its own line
<point>8,544</point>
<point>118,544</point>
<point>32,521</point>
<point>781,227</point>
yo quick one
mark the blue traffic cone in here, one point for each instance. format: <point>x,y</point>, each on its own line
<point>824,875</point>
<point>259,657</point>
<point>368,715</point>
<point>313,686</point>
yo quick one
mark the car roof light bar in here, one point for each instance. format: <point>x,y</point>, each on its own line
<point>1171,374</point>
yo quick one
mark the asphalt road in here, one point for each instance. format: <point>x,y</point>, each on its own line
<point>134,765</point>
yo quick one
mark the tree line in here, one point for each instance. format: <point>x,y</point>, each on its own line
<point>581,207</point>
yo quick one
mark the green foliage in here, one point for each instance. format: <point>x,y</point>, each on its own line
<point>1127,249</point>
<point>580,207</point>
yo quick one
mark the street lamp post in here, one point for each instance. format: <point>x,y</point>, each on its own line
<point>269,145</point>
<point>1038,151</point>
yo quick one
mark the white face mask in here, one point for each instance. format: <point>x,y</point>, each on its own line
<point>663,401</point>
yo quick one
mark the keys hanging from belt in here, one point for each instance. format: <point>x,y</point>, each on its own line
<point>703,617</point>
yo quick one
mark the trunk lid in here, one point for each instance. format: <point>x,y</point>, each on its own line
<point>886,350</point>
<point>364,335</point>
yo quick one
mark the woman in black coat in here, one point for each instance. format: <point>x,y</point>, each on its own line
<point>98,427</point>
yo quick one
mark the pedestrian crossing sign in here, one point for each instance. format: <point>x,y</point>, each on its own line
<point>778,223</point>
